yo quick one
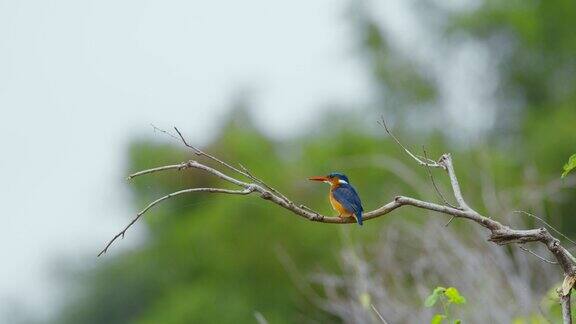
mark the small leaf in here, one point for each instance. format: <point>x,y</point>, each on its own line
<point>571,165</point>
<point>365,300</point>
<point>433,298</point>
<point>437,319</point>
<point>454,296</point>
<point>457,321</point>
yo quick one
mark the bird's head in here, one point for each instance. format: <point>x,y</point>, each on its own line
<point>333,179</point>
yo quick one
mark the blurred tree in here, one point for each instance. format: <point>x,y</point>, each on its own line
<point>536,43</point>
<point>532,45</point>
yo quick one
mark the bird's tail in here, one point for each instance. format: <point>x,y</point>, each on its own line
<point>359,218</point>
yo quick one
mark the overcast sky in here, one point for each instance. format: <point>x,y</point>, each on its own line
<point>80,79</point>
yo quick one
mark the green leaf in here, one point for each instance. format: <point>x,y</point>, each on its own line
<point>433,298</point>
<point>457,321</point>
<point>365,300</point>
<point>571,165</point>
<point>454,296</point>
<point>437,319</point>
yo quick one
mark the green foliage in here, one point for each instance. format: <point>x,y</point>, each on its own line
<point>433,298</point>
<point>454,296</point>
<point>569,166</point>
<point>437,319</point>
<point>446,297</point>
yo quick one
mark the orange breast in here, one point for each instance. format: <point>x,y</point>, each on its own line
<point>338,206</point>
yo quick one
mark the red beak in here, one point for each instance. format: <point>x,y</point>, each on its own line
<point>318,178</point>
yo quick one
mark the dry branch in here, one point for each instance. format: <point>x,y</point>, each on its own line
<point>499,233</point>
<point>168,196</point>
<point>566,309</point>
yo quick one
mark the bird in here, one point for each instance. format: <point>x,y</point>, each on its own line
<point>343,197</point>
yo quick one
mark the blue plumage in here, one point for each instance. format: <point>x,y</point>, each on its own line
<point>346,195</point>
<point>343,197</point>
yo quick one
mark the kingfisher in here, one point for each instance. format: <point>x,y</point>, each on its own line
<point>343,197</point>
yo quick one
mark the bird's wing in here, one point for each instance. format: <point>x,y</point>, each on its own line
<point>348,197</point>
<point>357,199</point>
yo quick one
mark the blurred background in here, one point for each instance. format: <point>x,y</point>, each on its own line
<point>289,90</point>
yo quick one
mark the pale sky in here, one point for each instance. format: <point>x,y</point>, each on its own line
<point>80,79</point>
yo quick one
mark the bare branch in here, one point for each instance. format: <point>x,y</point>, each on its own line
<point>446,161</point>
<point>158,169</point>
<point>244,171</point>
<point>419,160</point>
<point>545,223</point>
<point>499,233</point>
<point>254,178</point>
<point>211,157</point>
<point>434,182</point>
<point>309,214</point>
<point>536,255</point>
<point>165,132</point>
<point>195,165</point>
<point>157,201</point>
<point>378,314</point>
<point>566,309</point>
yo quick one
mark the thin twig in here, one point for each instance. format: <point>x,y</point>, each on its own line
<point>536,255</point>
<point>434,182</point>
<point>378,314</point>
<point>158,169</point>
<point>543,314</point>
<point>165,132</point>
<point>420,161</point>
<point>155,202</point>
<point>245,172</point>
<point>260,181</point>
<point>449,221</point>
<point>437,189</point>
<point>200,152</point>
<point>545,223</point>
<point>211,157</point>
